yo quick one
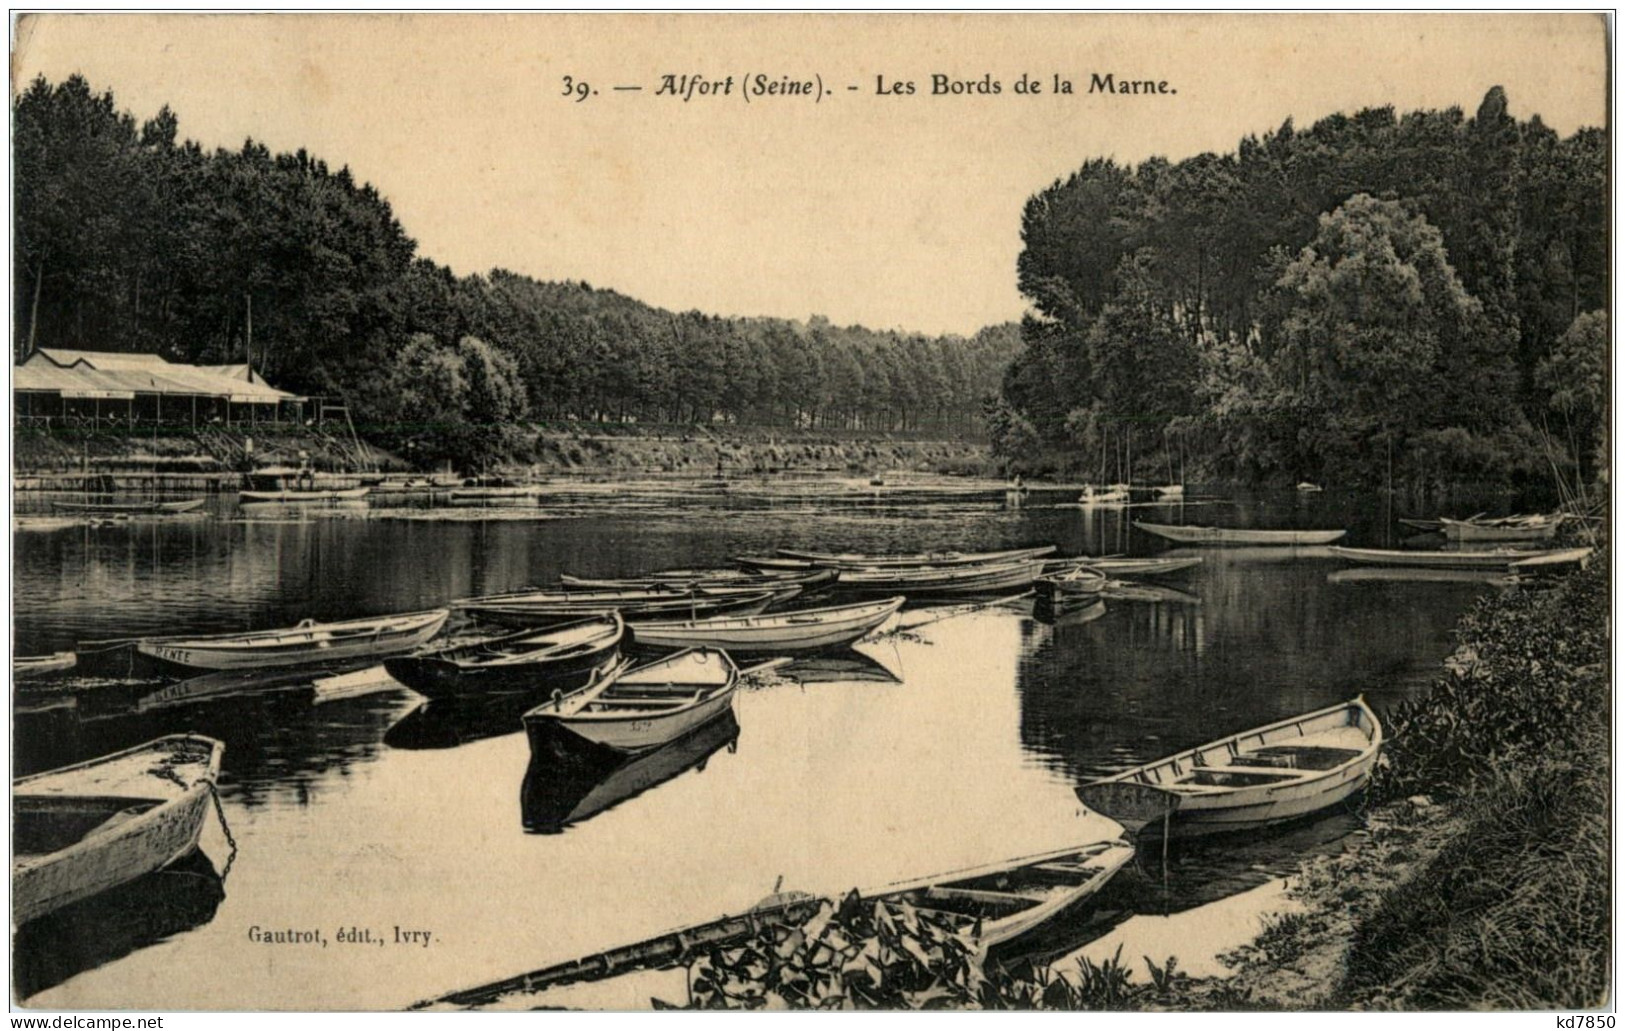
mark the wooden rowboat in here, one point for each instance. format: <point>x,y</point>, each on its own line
<point>27,667</point>
<point>1132,566</point>
<point>778,634</point>
<point>130,507</point>
<point>1002,901</point>
<point>1493,558</point>
<point>1235,535</point>
<point>855,560</point>
<point>1277,772</point>
<point>1116,494</point>
<point>942,581</point>
<point>1077,582</point>
<point>1531,528</point>
<point>308,643</point>
<point>544,608</point>
<point>286,496</point>
<point>82,829</point>
<point>530,660</point>
<point>811,581</point>
<point>631,710</point>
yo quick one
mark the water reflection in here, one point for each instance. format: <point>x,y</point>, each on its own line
<point>563,789</point>
<point>109,926</point>
<point>449,722</point>
<point>845,666</point>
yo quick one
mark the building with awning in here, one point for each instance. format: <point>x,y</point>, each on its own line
<point>57,385</point>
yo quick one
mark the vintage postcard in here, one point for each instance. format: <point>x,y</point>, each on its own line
<point>836,512</point>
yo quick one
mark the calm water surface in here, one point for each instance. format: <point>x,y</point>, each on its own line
<point>953,744</point>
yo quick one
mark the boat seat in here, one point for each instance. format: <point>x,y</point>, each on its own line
<point>639,703</point>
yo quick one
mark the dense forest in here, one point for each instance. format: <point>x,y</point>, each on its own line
<point>129,238</point>
<point>1423,293</point>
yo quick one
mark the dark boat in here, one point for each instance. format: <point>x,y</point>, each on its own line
<point>530,660</point>
<point>560,790</point>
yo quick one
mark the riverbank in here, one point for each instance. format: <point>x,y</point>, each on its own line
<point>1482,877</point>
<point>537,451</point>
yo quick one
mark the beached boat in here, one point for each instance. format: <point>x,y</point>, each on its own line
<point>1525,528</point>
<point>994,904</point>
<point>1281,771</point>
<point>1237,535</point>
<point>810,581</point>
<point>1072,583</point>
<point>544,608</point>
<point>130,507</point>
<point>1491,558</point>
<point>308,643</point>
<point>82,829</point>
<point>778,634</point>
<point>859,561</point>
<point>942,581</point>
<point>530,660</point>
<point>633,709</point>
<point>27,667</point>
<point>299,496</point>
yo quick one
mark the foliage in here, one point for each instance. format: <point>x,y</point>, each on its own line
<point>128,238</point>
<point>1317,301</point>
<point>1529,677</point>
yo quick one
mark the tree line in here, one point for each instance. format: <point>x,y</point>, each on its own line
<point>1415,298</point>
<point>129,238</point>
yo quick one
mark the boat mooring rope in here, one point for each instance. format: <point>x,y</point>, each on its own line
<point>220,811</point>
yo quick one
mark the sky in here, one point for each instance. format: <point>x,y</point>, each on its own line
<point>890,209</point>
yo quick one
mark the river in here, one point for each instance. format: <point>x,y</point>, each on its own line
<point>955,743</point>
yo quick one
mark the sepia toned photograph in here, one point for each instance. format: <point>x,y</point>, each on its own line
<point>838,512</point>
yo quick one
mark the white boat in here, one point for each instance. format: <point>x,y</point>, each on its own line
<point>1493,558</point>
<point>1552,560</point>
<point>82,829</point>
<point>1236,535</point>
<point>1171,490</point>
<point>778,634</point>
<point>1115,494</point>
<point>1525,528</point>
<point>1306,487</point>
<point>296,496</point>
<point>1277,772</point>
<point>26,667</point>
<point>858,560</point>
<point>309,642</point>
<point>630,710</point>
<point>942,581</point>
<point>1072,583</point>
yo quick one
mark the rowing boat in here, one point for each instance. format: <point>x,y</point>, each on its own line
<point>543,608</point>
<point>1073,583</point>
<point>1236,535</point>
<point>307,643</point>
<point>942,581</point>
<point>336,494</point>
<point>1276,772</point>
<point>130,507</point>
<point>1527,528</point>
<point>856,560</point>
<point>633,709</point>
<point>27,667</point>
<point>810,581</point>
<point>530,660</point>
<point>992,905</point>
<point>1125,566</point>
<point>780,633</point>
<point>1493,558</point>
<point>1116,494</point>
<point>559,792</point>
<point>82,829</point>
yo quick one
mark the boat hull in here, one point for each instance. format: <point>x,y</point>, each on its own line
<point>943,583</point>
<point>436,678</point>
<point>1437,559</point>
<point>113,854</point>
<point>773,635</point>
<point>316,645</point>
<point>945,558</point>
<point>634,733</point>
<point>1470,532</point>
<point>1234,535</point>
<point>520,614</point>
<point>292,496</point>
